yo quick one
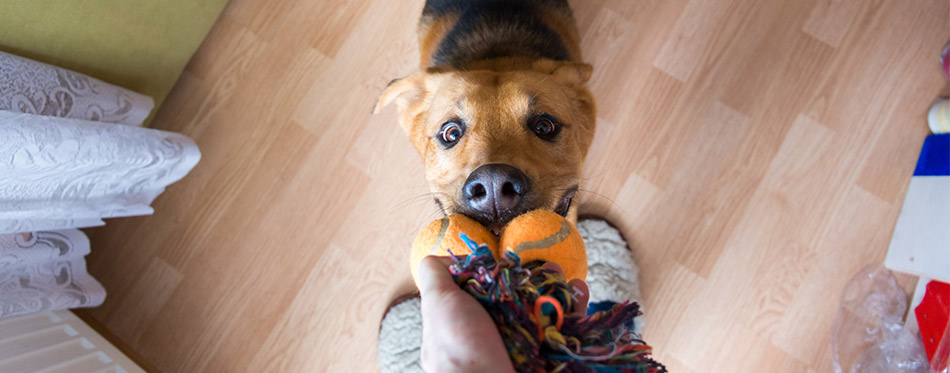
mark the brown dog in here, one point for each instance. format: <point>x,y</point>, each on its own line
<point>499,112</point>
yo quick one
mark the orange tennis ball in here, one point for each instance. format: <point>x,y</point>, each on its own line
<point>545,235</point>
<point>442,235</point>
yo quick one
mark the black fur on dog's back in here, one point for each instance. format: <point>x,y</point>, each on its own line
<point>488,29</point>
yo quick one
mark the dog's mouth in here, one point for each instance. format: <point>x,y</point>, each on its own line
<point>562,208</point>
<point>497,229</point>
<point>564,204</point>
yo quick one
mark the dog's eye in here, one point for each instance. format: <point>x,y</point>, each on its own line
<point>450,133</point>
<point>545,126</point>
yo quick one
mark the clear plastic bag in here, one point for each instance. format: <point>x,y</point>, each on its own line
<point>940,358</point>
<point>868,334</point>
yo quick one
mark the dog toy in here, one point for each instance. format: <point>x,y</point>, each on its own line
<point>535,235</point>
<point>529,303</point>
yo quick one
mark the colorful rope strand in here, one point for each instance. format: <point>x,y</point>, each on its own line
<point>528,304</point>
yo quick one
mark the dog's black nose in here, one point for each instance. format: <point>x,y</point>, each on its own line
<point>495,190</point>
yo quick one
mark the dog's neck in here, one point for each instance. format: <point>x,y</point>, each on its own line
<point>458,49</point>
<point>461,34</point>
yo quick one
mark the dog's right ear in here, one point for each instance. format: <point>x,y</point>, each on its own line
<point>408,93</point>
<point>404,91</point>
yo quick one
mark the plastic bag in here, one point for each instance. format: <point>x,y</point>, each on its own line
<point>940,358</point>
<point>868,334</point>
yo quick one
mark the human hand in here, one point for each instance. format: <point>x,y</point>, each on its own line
<point>458,335</point>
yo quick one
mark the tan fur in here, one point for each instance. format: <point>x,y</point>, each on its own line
<point>493,98</point>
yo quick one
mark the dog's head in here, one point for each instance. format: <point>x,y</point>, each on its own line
<point>499,141</point>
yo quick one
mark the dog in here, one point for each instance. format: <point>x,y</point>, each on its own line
<point>499,109</point>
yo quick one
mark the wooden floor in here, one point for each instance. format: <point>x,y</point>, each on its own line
<point>756,154</point>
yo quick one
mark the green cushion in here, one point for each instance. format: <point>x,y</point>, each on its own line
<point>142,45</point>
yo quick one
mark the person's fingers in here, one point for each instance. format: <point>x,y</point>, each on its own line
<point>552,266</point>
<point>434,275</point>
<point>443,261</point>
<point>458,335</point>
<point>580,294</point>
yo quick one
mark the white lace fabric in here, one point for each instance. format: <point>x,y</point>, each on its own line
<point>45,270</point>
<point>71,154</point>
<point>67,173</point>
<point>31,87</point>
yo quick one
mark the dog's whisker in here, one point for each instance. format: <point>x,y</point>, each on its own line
<point>622,210</point>
<point>594,177</point>
<point>417,199</point>
<point>428,218</point>
<point>411,200</point>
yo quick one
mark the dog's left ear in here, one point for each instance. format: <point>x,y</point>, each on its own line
<point>570,73</point>
<point>574,73</point>
<point>574,76</point>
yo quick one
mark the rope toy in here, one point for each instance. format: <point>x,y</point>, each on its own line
<point>530,304</point>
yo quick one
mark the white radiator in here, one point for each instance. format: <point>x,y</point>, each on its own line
<point>57,341</point>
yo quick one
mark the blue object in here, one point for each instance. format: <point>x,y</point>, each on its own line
<point>934,156</point>
<point>468,241</point>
